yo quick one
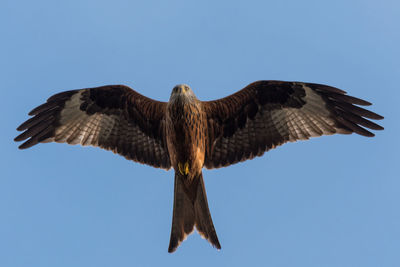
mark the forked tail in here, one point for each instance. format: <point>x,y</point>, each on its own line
<point>191,209</point>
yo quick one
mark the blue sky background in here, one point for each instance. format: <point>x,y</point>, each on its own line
<point>330,201</point>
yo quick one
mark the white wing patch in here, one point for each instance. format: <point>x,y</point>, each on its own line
<point>311,120</point>
<point>77,127</point>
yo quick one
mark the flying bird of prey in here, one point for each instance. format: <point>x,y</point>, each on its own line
<point>187,134</point>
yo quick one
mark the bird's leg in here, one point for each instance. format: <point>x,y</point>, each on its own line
<point>183,168</point>
<point>180,168</point>
<point>186,168</point>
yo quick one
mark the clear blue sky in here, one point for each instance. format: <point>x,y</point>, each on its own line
<point>330,201</point>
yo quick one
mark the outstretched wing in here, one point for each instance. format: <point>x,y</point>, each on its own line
<point>266,114</point>
<point>112,117</point>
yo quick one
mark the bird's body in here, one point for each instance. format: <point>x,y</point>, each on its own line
<point>187,134</point>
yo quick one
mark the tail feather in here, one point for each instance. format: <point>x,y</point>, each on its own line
<point>183,215</point>
<point>203,220</point>
<point>191,209</point>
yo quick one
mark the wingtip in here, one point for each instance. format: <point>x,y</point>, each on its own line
<point>27,144</point>
<point>363,103</point>
<point>21,127</point>
<point>21,147</point>
<point>20,138</point>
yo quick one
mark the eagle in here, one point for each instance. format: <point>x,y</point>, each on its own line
<point>187,134</point>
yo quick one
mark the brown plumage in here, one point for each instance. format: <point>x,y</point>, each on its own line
<point>188,134</point>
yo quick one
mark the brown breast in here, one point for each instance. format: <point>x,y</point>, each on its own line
<point>186,132</point>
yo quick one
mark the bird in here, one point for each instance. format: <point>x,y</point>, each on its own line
<point>187,134</point>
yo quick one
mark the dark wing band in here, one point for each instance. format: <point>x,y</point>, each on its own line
<point>113,117</point>
<point>266,114</point>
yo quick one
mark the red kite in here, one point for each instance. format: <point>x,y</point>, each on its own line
<point>188,134</point>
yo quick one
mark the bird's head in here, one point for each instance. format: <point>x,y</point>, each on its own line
<point>182,92</point>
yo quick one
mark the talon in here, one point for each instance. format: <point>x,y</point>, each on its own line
<point>180,168</point>
<point>186,170</point>
<point>183,168</point>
